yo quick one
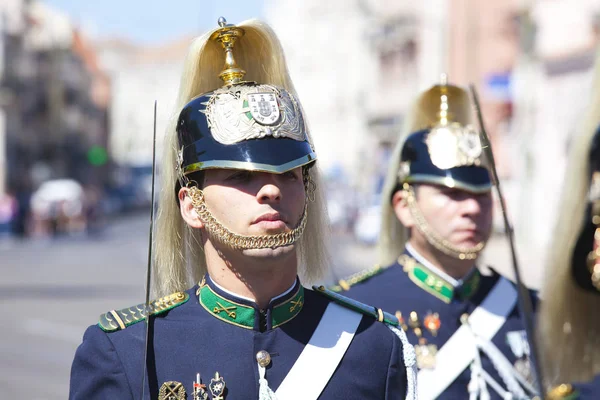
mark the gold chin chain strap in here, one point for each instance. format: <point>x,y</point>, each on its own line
<point>241,242</point>
<point>462,253</point>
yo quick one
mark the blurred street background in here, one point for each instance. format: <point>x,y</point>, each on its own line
<point>77,85</point>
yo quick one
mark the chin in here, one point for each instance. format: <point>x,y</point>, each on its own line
<point>273,254</point>
<point>469,243</point>
<point>468,239</point>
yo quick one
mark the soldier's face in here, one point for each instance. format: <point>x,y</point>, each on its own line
<point>462,218</point>
<point>255,203</point>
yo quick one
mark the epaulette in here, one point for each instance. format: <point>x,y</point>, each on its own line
<point>116,320</point>
<point>562,392</point>
<point>357,306</point>
<point>346,283</point>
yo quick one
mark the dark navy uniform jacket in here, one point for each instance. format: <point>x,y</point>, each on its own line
<point>198,336</point>
<point>392,289</point>
<point>588,390</point>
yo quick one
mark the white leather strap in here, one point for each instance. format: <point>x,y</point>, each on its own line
<point>460,350</point>
<point>319,359</point>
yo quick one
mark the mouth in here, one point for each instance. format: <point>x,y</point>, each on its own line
<point>471,234</point>
<point>273,221</point>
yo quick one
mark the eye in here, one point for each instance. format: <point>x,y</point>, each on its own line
<point>239,176</point>
<point>291,175</point>
<point>450,192</point>
<point>484,198</point>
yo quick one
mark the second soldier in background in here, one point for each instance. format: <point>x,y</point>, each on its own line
<point>437,218</point>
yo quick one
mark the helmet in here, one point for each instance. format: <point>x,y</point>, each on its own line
<point>444,148</point>
<point>242,125</point>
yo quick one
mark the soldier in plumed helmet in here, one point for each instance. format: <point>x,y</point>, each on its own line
<point>239,230</point>
<point>436,219</point>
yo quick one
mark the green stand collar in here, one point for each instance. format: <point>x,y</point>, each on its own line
<point>245,314</point>
<point>434,284</point>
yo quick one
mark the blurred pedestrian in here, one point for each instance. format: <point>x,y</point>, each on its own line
<point>9,209</point>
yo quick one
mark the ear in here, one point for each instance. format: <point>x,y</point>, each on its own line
<point>401,210</point>
<point>186,208</point>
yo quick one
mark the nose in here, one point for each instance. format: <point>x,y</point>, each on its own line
<point>472,206</point>
<point>269,191</point>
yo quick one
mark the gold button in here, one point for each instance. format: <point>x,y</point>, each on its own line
<point>263,358</point>
<point>464,318</point>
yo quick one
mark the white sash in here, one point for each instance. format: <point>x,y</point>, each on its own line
<point>319,359</point>
<point>460,349</point>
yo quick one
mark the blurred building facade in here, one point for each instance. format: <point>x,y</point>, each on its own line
<point>358,64</point>
<point>54,100</point>
<point>139,76</point>
<point>328,59</point>
<point>551,90</point>
<point>408,43</point>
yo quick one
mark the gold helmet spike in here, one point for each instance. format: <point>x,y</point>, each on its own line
<point>444,79</point>
<point>227,35</point>
<point>443,104</point>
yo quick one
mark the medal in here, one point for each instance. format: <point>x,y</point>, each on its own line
<point>432,323</point>
<point>217,387</point>
<point>401,321</point>
<point>425,354</point>
<point>171,391</point>
<point>413,320</point>
<point>199,390</point>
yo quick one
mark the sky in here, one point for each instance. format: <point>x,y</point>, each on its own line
<point>154,21</point>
